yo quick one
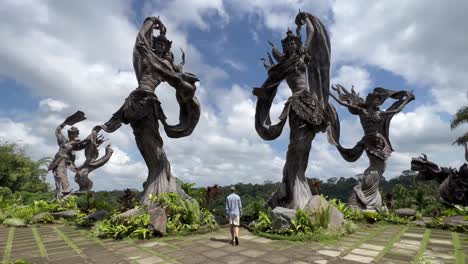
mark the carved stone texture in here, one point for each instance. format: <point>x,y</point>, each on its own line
<point>376,142</point>
<point>308,109</point>
<point>453,187</point>
<point>65,157</point>
<point>154,63</point>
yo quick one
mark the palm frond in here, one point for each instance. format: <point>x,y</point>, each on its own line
<point>462,140</point>
<point>460,117</point>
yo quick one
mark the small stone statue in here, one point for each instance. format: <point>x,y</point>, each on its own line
<point>453,187</point>
<point>65,157</point>
<point>306,69</point>
<point>153,62</point>
<point>376,143</point>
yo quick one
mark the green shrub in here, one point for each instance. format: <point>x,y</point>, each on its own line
<point>264,222</point>
<point>301,224</point>
<point>5,192</point>
<point>118,228</point>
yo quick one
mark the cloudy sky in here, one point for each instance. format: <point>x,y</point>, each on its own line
<point>57,57</point>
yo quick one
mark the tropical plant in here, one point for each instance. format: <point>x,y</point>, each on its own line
<point>461,117</point>
<point>19,172</point>
<point>264,222</point>
<point>302,224</point>
<point>118,228</point>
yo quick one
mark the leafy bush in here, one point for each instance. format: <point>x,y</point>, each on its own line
<point>119,228</point>
<point>301,224</point>
<point>182,215</point>
<point>5,192</point>
<point>264,222</point>
<point>253,209</point>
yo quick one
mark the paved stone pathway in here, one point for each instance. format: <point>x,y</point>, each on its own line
<point>371,244</point>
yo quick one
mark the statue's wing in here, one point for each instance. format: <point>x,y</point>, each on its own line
<point>319,64</point>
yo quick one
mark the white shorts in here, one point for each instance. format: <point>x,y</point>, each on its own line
<point>234,220</point>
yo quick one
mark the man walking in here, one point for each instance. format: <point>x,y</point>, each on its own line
<point>233,213</point>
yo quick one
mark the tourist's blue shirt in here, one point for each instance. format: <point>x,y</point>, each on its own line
<point>233,205</point>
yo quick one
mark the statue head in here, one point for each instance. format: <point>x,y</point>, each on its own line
<point>73,133</point>
<point>161,45</point>
<point>378,96</point>
<point>291,43</point>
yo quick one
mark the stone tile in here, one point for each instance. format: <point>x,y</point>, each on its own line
<point>215,244</point>
<point>252,253</point>
<point>261,240</point>
<point>410,242</point>
<point>247,237</point>
<point>399,257</point>
<point>233,259</point>
<point>275,259</point>
<point>321,261</point>
<point>402,251</point>
<point>358,258</point>
<point>373,247</point>
<point>413,235</point>
<point>365,252</point>
<point>440,241</point>
<point>150,260</point>
<point>391,261</point>
<point>406,246</point>
<point>214,253</point>
<point>232,249</point>
<point>330,253</point>
<point>192,259</point>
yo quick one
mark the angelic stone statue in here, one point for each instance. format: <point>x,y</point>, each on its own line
<point>153,63</point>
<point>306,69</point>
<point>65,157</point>
<point>376,143</point>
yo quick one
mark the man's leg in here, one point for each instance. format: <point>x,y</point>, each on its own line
<point>236,230</point>
<point>232,233</point>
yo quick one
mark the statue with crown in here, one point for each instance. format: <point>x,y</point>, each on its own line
<point>306,69</point>
<point>153,63</point>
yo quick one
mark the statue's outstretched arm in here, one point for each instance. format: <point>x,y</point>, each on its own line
<point>409,96</point>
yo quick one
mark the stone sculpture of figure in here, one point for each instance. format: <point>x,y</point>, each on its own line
<point>306,69</point>
<point>154,63</point>
<point>65,157</point>
<point>92,162</point>
<point>453,187</point>
<point>376,143</point>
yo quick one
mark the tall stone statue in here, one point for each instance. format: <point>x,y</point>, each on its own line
<point>306,69</point>
<point>65,157</point>
<point>153,63</point>
<point>376,143</point>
